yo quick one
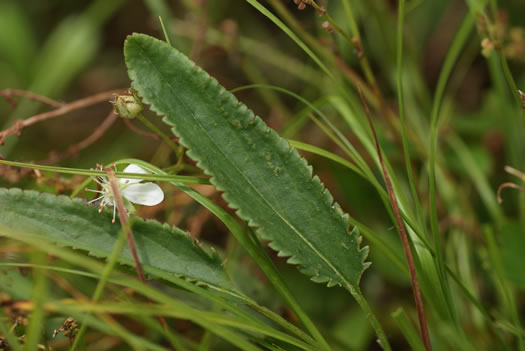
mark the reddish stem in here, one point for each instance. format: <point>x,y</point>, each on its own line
<point>402,232</point>
<point>138,131</point>
<point>9,93</point>
<point>62,109</point>
<point>508,185</point>
<point>93,137</point>
<point>123,216</point>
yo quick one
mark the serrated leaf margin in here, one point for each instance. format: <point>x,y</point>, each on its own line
<point>284,146</point>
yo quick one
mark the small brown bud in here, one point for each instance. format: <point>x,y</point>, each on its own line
<point>70,328</point>
<point>358,47</point>
<point>301,6</point>
<point>327,26</point>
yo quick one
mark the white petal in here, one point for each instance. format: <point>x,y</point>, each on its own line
<point>131,168</point>
<point>149,194</point>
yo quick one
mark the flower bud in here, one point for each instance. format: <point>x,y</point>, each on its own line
<point>127,106</point>
<point>487,46</point>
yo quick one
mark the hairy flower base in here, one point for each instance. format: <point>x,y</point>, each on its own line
<point>149,194</point>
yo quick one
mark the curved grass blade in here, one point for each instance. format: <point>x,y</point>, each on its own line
<point>262,176</point>
<point>37,241</point>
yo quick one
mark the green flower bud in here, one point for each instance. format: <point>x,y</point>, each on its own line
<point>127,106</point>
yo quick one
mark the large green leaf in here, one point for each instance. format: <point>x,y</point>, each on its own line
<point>70,222</point>
<point>262,176</point>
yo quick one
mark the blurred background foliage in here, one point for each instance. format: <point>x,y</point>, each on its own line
<point>68,50</point>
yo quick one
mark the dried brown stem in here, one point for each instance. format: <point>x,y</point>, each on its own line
<point>62,110</point>
<point>402,232</point>
<point>508,185</point>
<point>74,149</point>
<point>97,133</point>
<point>123,216</point>
<point>10,93</point>
<point>139,131</point>
<point>515,172</point>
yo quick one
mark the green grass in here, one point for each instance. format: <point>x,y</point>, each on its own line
<point>447,118</point>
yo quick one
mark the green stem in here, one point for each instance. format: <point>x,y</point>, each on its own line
<point>448,65</point>
<point>179,150</point>
<point>39,295</point>
<point>503,287</point>
<point>401,103</point>
<point>518,128</point>
<point>178,309</point>
<point>363,61</point>
<point>80,188</point>
<point>206,293</point>
<point>409,332</point>
<point>108,268</point>
<point>292,35</point>
<point>205,341</point>
<point>164,177</point>
<point>381,336</point>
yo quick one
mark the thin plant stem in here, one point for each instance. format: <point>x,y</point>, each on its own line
<point>503,287</point>
<point>102,281</point>
<point>63,109</point>
<point>39,295</point>
<point>125,235</point>
<point>452,55</point>
<point>205,342</point>
<point>292,35</point>
<point>126,227</point>
<point>92,138</point>
<point>220,302</point>
<point>123,216</point>
<point>380,333</point>
<point>164,31</point>
<point>9,93</point>
<point>179,150</point>
<point>8,334</point>
<point>515,127</point>
<point>139,131</point>
<point>401,103</point>
<point>145,290</point>
<point>363,61</point>
<point>403,234</point>
<point>93,173</point>
<point>250,243</point>
<point>332,22</point>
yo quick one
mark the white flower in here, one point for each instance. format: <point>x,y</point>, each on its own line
<point>149,194</point>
